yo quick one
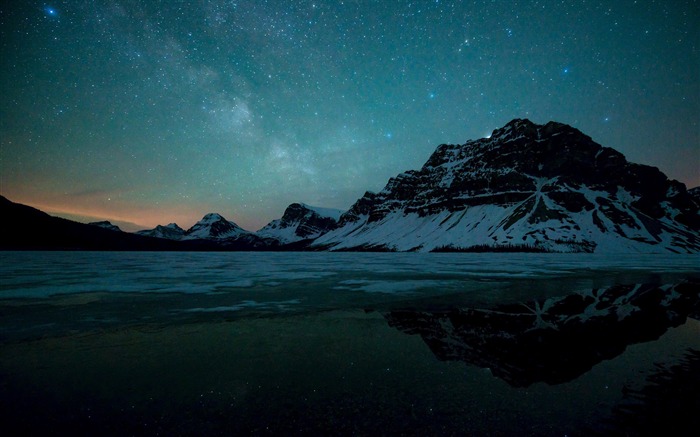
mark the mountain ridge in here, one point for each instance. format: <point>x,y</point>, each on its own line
<point>27,228</point>
<point>527,187</point>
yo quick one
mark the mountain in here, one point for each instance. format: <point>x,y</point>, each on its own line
<point>526,187</point>
<point>555,340</point>
<point>106,225</point>
<point>170,232</point>
<point>226,234</point>
<point>214,227</point>
<point>27,228</point>
<point>301,222</point>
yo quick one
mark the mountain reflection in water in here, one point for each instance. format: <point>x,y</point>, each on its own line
<point>558,339</point>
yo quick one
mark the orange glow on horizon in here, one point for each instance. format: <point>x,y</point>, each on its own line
<point>128,217</point>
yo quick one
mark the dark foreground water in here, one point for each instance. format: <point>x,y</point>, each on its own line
<point>348,344</point>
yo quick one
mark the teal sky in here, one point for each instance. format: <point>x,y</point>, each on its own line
<point>154,112</point>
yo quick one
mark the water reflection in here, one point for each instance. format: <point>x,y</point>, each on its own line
<point>555,340</point>
<point>668,396</point>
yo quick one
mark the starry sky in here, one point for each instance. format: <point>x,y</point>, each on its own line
<point>150,112</point>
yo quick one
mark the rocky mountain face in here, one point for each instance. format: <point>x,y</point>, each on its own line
<point>527,187</point>
<point>169,232</point>
<point>301,222</point>
<point>106,225</point>
<point>555,340</point>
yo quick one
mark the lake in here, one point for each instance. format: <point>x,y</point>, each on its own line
<point>148,343</point>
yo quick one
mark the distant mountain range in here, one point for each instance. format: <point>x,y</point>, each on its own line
<point>527,187</point>
<point>27,228</point>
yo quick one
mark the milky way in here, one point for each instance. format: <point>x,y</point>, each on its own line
<point>152,112</point>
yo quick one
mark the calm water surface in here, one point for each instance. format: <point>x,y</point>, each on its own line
<point>348,344</point>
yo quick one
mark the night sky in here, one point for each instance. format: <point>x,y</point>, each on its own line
<point>152,112</point>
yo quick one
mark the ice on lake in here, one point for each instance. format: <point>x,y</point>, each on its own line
<point>348,343</point>
<point>43,274</point>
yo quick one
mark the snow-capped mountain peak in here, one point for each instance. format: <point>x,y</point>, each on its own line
<point>214,226</point>
<point>301,222</point>
<point>211,218</point>
<point>527,187</point>
<point>106,225</point>
<point>171,232</point>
